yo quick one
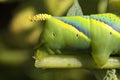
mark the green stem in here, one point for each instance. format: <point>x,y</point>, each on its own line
<point>44,60</point>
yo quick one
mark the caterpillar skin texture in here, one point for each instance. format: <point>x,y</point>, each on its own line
<point>99,31</point>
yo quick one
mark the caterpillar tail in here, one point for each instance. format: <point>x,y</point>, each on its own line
<point>40,17</point>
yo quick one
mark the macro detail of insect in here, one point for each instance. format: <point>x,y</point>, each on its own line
<point>100,32</point>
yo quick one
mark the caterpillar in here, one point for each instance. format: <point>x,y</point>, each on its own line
<point>100,32</point>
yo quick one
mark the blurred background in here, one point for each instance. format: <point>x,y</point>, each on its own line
<point>18,36</point>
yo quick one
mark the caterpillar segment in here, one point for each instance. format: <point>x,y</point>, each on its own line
<point>99,31</point>
<point>59,35</point>
<point>105,36</point>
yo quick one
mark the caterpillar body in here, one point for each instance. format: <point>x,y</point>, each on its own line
<point>101,32</point>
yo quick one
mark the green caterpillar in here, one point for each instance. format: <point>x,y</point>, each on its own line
<point>100,32</point>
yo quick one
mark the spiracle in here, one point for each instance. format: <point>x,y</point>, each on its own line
<point>40,17</point>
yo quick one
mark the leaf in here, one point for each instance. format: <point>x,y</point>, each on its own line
<point>57,7</point>
<point>75,10</point>
<point>102,6</point>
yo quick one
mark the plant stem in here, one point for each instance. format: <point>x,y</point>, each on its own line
<point>44,60</point>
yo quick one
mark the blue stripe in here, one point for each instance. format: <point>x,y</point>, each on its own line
<point>113,22</point>
<point>75,24</point>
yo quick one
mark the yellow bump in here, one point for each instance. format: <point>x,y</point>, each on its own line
<point>40,17</point>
